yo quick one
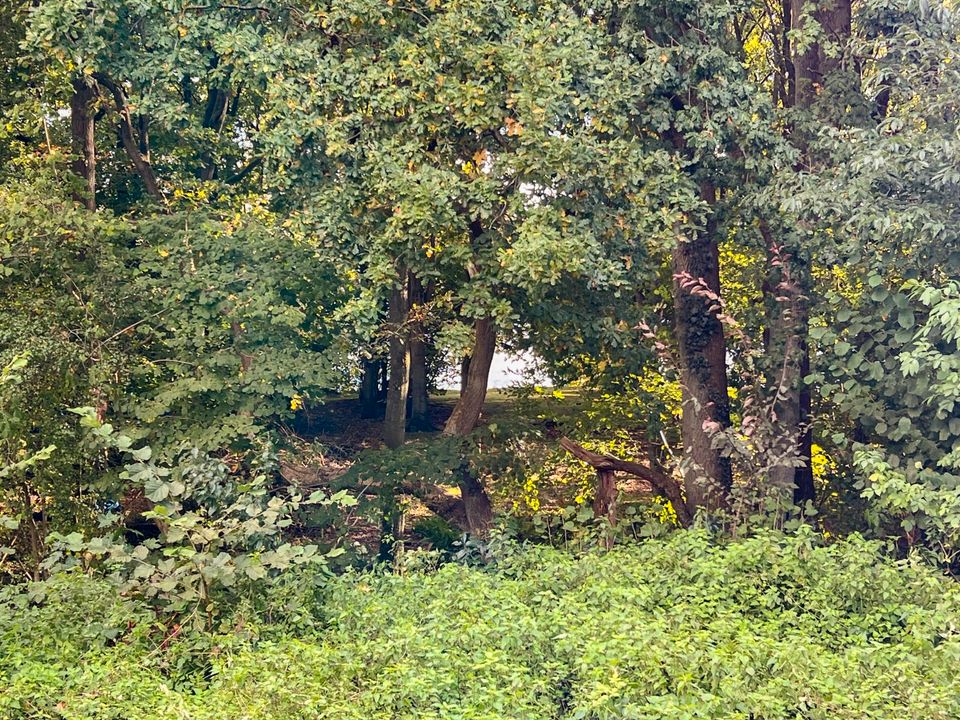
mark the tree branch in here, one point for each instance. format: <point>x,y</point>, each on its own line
<point>244,171</point>
<point>130,145</point>
<point>661,482</point>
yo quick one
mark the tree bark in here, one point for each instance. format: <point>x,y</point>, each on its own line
<point>419,399</point>
<point>130,144</point>
<point>661,482</point>
<point>467,411</point>
<point>805,489</point>
<point>246,359</point>
<point>419,417</point>
<point>369,388</point>
<point>82,125</point>
<point>812,66</point>
<point>806,64</point>
<point>463,420</point>
<point>789,318</point>
<point>395,417</point>
<point>703,371</point>
<point>464,372</point>
<point>786,307</point>
<point>214,117</point>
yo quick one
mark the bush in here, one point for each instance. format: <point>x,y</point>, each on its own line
<point>771,627</point>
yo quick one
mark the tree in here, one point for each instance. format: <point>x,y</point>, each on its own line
<point>880,207</point>
<point>478,163</point>
<point>698,107</point>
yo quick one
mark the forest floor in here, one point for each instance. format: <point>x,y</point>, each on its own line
<point>326,441</point>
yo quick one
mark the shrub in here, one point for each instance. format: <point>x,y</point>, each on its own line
<point>771,627</point>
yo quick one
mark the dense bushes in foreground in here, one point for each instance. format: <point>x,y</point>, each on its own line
<point>771,627</point>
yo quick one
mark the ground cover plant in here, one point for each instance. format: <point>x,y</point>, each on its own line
<point>770,627</point>
<point>264,266</point>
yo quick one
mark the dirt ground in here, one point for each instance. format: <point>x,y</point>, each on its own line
<point>325,440</point>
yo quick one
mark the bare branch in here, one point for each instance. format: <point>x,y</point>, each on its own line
<point>661,482</point>
<point>130,145</point>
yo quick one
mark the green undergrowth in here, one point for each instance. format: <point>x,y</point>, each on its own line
<point>771,627</point>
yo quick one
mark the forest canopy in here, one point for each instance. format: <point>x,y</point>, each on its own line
<point>256,262</point>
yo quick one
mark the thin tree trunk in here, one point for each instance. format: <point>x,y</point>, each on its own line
<point>703,371</point>
<point>464,372</point>
<point>786,306</point>
<point>789,319</point>
<point>85,93</point>
<point>419,417</point>
<point>805,489</point>
<point>395,417</point>
<point>463,420</point>
<point>130,144</point>
<point>605,499</point>
<point>246,359</point>
<point>369,388</point>
<point>467,411</point>
<point>214,117</point>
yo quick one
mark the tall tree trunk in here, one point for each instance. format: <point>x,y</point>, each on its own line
<point>85,93</point>
<point>369,388</point>
<point>463,420</point>
<point>419,418</point>
<point>125,131</point>
<point>788,322</point>
<point>467,411</point>
<point>812,65</point>
<point>395,417</point>
<point>214,117</point>
<point>785,333</point>
<point>806,63</point>
<point>703,370</point>
<point>464,373</point>
<point>805,489</point>
<point>419,398</point>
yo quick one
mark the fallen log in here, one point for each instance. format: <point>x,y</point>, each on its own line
<point>607,465</point>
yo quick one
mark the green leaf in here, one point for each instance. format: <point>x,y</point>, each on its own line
<point>906,319</point>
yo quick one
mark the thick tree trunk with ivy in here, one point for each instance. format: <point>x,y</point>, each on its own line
<point>83,143</point>
<point>703,370</point>
<point>464,418</point>
<point>788,362</point>
<point>418,416</point>
<point>395,416</point>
